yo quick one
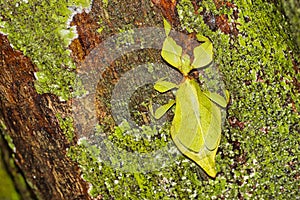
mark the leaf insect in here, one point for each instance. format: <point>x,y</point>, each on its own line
<point>196,126</point>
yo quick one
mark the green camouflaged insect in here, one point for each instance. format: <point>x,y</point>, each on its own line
<point>196,126</point>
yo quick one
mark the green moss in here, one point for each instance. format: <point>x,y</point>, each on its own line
<point>261,156</point>
<point>258,157</point>
<point>144,139</point>
<point>257,160</point>
<point>258,71</point>
<point>39,29</point>
<point>105,3</point>
<point>291,8</point>
<point>102,26</point>
<point>66,124</point>
<point>111,182</point>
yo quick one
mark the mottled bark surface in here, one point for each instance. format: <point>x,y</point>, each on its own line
<point>31,122</point>
<point>30,117</point>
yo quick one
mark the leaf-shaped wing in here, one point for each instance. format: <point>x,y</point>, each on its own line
<point>215,97</point>
<point>186,125</point>
<point>164,86</point>
<point>210,115</point>
<point>171,52</point>
<point>205,158</point>
<point>196,127</point>
<point>163,109</point>
<point>203,55</point>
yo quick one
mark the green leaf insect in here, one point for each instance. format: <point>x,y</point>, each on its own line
<point>167,26</point>
<point>163,109</point>
<point>164,86</point>
<point>196,126</point>
<point>172,53</point>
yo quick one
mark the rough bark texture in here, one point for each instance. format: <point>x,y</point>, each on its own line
<point>41,146</point>
<point>30,117</point>
<point>31,122</point>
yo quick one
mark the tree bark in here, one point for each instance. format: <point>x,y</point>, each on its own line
<point>31,118</point>
<point>31,123</point>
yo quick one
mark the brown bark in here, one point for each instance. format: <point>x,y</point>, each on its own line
<point>30,118</point>
<point>31,122</point>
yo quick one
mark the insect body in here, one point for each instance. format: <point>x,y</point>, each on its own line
<point>196,126</point>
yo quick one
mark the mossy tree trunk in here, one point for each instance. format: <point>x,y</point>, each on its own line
<point>31,119</point>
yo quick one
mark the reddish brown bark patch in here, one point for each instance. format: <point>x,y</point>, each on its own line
<point>88,37</point>
<point>31,122</point>
<point>168,9</point>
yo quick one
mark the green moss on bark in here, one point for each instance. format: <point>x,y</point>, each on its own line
<point>40,30</point>
<point>258,153</point>
<point>260,74</point>
<point>291,9</point>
